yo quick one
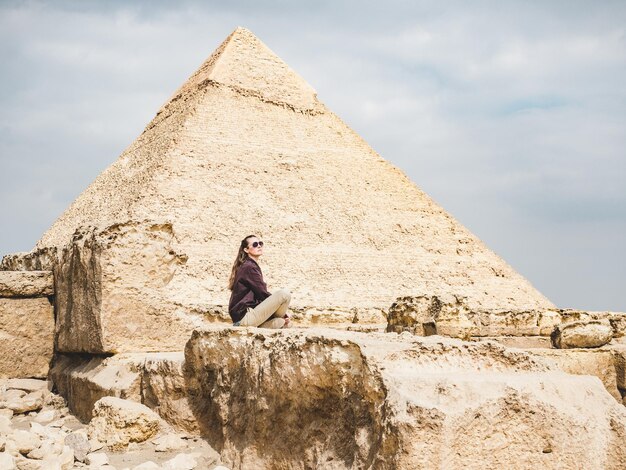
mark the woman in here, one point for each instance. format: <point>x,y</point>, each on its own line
<point>250,302</point>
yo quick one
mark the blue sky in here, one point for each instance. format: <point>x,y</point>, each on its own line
<point>511,115</point>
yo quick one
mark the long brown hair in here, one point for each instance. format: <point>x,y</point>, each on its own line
<point>241,257</point>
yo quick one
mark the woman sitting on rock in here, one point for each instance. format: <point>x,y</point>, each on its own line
<point>250,302</point>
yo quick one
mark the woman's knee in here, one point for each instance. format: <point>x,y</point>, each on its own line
<point>284,295</point>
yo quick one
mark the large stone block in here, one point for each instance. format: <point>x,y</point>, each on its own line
<point>83,380</point>
<point>164,389</point>
<point>26,283</point>
<point>154,379</point>
<point>42,259</point>
<point>26,337</point>
<point>117,423</point>
<point>113,292</point>
<point>451,315</point>
<point>582,334</point>
<point>598,362</point>
<point>329,399</point>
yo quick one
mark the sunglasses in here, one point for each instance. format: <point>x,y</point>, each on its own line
<point>256,244</point>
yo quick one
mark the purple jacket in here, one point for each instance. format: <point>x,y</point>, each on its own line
<point>249,289</point>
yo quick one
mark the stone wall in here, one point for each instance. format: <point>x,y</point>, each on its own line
<point>26,323</point>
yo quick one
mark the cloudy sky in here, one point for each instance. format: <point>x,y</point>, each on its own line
<point>510,114</point>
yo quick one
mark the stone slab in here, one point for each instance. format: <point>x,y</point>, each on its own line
<point>372,400</point>
<point>452,315</point>
<point>112,292</point>
<point>26,337</point>
<point>582,334</point>
<point>83,380</point>
<point>521,342</point>
<point>598,362</point>
<point>153,379</point>
<point>26,283</point>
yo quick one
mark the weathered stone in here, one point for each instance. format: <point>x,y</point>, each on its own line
<point>451,315</point>
<point>82,381</point>
<point>10,395</point>
<point>102,278</point>
<point>598,362</point>
<point>97,459</point>
<point>616,319</point>
<point>619,355</point>
<point>149,465</point>
<point>388,401</point>
<point>118,422</point>
<point>39,429</point>
<point>25,441</point>
<point>7,461</point>
<point>154,379</point>
<point>181,462</point>
<point>26,283</point>
<point>5,425</point>
<point>26,337</point>
<point>24,463</point>
<point>66,459</point>
<point>6,413</point>
<point>521,342</point>
<point>32,401</point>
<point>412,314</point>
<point>45,416</point>
<point>42,259</point>
<point>169,442</point>
<point>165,391</point>
<point>79,443</point>
<point>618,323</point>
<point>582,334</point>
<point>27,385</point>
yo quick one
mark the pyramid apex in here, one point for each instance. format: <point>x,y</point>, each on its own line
<point>243,62</point>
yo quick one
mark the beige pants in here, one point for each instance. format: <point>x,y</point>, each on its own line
<point>275,305</point>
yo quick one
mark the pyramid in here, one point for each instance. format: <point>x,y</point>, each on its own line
<point>245,146</point>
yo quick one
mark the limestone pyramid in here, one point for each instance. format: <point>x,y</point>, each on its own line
<point>245,146</point>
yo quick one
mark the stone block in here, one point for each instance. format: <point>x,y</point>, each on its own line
<point>26,337</point>
<point>117,422</point>
<point>154,379</point>
<point>113,292</point>
<point>582,334</point>
<point>356,400</point>
<point>598,362</point>
<point>164,390</point>
<point>451,315</point>
<point>83,380</point>
<point>42,259</point>
<point>26,283</point>
<point>521,342</point>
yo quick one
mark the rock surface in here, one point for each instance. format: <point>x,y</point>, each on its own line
<point>164,389</point>
<point>26,283</point>
<point>28,442</point>
<point>82,381</point>
<point>117,422</point>
<point>26,337</point>
<point>351,400</point>
<point>154,379</point>
<point>582,334</point>
<point>98,313</point>
<point>598,362</point>
<point>451,315</point>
